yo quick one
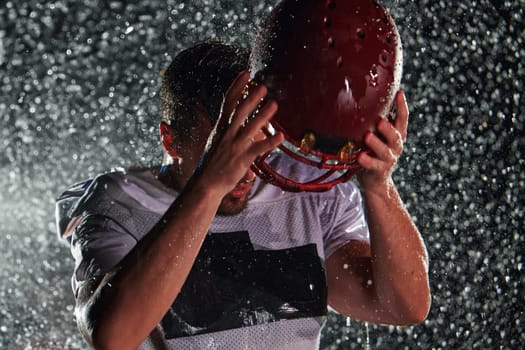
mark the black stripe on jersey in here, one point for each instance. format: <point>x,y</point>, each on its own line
<point>231,285</point>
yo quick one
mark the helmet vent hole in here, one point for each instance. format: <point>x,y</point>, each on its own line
<point>327,22</point>
<point>331,4</point>
<point>383,58</point>
<point>361,34</point>
<point>331,42</point>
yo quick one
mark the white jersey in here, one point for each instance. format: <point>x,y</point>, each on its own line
<point>259,280</point>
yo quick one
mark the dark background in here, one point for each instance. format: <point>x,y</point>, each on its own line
<point>79,94</point>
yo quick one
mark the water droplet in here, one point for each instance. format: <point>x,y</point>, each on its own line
<point>340,62</point>
<point>373,75</point>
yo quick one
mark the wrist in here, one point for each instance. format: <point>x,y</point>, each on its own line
<point>199,187</point>
<point>379,189</point>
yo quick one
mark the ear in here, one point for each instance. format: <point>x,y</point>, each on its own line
<point>167,137</point>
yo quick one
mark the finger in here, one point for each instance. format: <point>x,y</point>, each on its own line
<point>234,93</point>
<point>401,121</point>
<point>370,163</point>
<point>261,119</point>
<point>266,145</point>
<point>248,106</point>
<point>378,147</point>
<point>391,135</point>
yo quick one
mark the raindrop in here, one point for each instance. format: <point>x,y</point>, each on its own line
<point>327,22</point>
<point>373,75</point>
<point>367,340</point>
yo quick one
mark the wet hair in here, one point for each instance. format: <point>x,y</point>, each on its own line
<point>199,76</point>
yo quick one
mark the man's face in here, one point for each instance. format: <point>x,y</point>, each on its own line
<point>191,151</point>
<point>235,200</point>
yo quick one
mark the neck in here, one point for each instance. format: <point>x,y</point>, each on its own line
<point>168,176</point>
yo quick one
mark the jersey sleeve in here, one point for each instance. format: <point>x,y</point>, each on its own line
<point>97,246</point>
<point>100,240</point>
<point>65,203</point>
<point>348,219</point>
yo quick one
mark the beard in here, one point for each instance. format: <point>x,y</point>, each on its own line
<point>232,205</point>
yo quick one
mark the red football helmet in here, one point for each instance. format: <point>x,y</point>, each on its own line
<point>334,68</point>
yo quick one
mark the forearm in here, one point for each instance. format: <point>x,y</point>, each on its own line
<point>399,258</point>
<point>130,303</point>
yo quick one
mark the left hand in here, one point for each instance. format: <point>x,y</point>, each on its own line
<point>379,164</point>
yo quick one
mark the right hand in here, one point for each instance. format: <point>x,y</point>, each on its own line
<point>237,138</point>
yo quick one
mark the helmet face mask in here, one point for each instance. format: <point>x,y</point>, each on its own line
<point>334,68</point>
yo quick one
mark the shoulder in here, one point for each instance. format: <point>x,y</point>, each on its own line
<point>115,176</point>
<point>127,187</point>
<point>105,188</point>
<point>120,180</point>
<point>79,189</point>
<point>127,201</point>
<point>68,201</point>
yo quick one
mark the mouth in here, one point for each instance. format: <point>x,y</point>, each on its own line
<point>242,189</point>
<point>239,191</point>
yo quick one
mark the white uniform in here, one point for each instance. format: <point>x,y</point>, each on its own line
<point>259,280</point>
